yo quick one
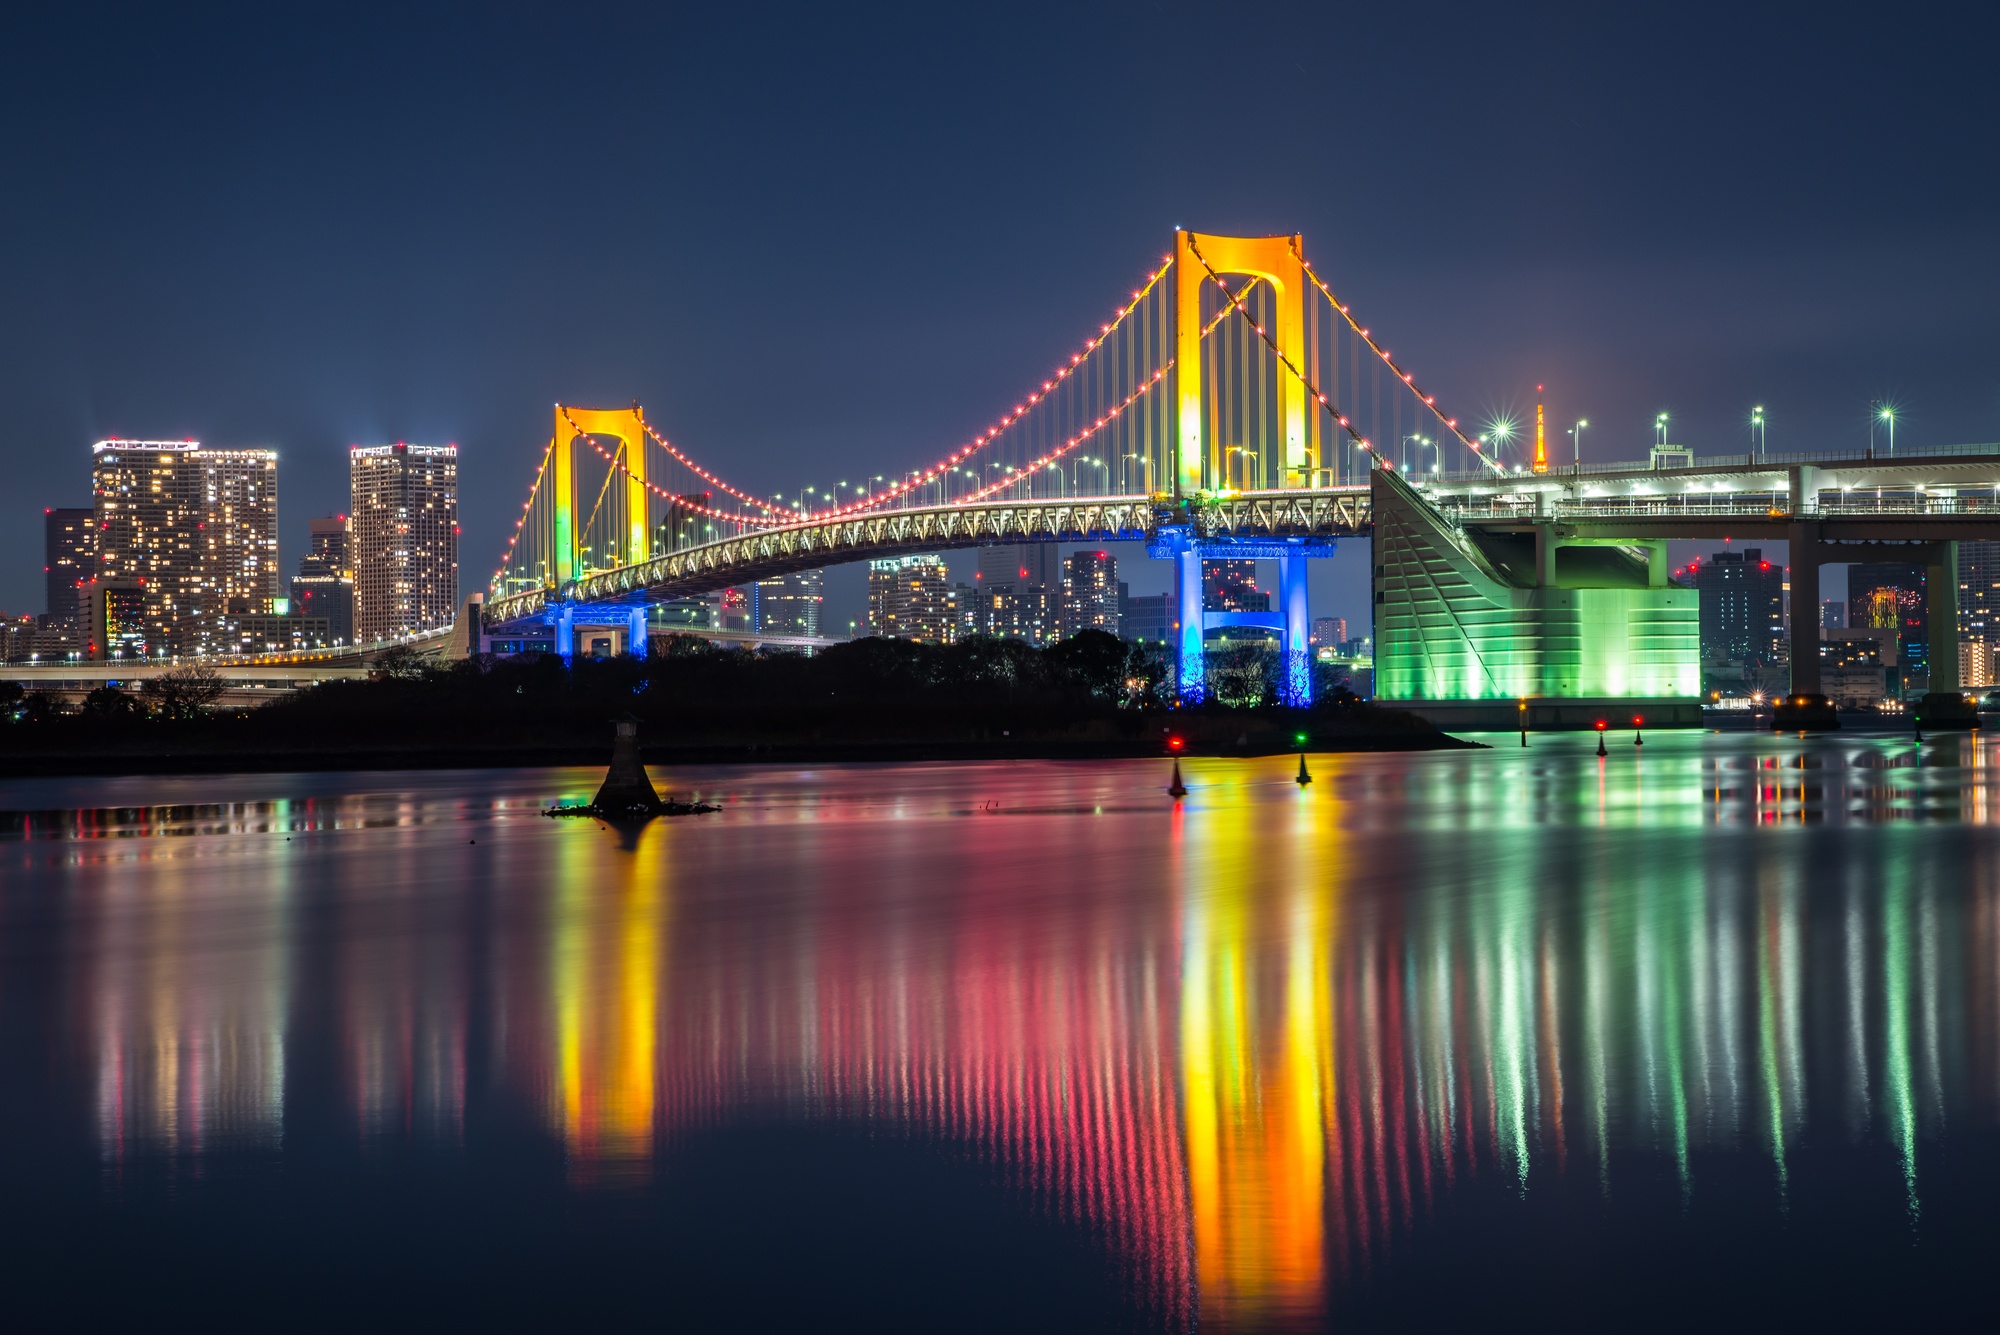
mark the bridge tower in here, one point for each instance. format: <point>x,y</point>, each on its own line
<point>1200,463</point>
<point>629,426</point>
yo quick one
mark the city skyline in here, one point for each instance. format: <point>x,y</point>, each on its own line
<point>1635,249</point>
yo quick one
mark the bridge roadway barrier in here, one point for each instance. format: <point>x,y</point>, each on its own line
<point>1247,516</point>
<point>248,679</point>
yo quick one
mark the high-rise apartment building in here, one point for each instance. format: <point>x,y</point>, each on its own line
<point>403,538</point>
<point>1979,602</point>
<point>238,538</point>
<point>148,509</point>
<point>1090,593</point>
<point>789,604</point>
<point>1329,632</point>
<point>69,561</point>
<point>195,529</point>
<point>1030,613</point>
<point>324,586</point>
<point>1742,607</point>
<point>911,598</point>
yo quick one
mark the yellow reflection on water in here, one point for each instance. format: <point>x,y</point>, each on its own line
<point>607,952</point>
<point>1256,1048</point>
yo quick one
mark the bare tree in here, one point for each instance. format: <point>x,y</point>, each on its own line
<point>185,692</point>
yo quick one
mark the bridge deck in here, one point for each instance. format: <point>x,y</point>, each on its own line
<point>1914,496</point>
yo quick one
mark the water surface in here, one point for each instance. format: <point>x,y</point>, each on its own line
<point>1707,1030</point>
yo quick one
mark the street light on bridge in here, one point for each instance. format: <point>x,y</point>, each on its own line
<point>1576,434</point>
<point>1247,454</point>
<point>1757,427</point>
<point>1889,416</point>
<point>1145,472</point>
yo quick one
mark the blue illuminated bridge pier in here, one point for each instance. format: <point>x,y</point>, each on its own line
<point>1234,407</point>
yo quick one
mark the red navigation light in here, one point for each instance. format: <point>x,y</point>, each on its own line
<point>1637,722</point>
<point>1174,743</point>
<point>1600,724</point>
<point>1764,565</point>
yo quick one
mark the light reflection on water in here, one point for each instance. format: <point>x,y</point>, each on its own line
<point>1256,1041</point>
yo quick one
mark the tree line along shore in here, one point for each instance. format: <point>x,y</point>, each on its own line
<point>1089,695</point>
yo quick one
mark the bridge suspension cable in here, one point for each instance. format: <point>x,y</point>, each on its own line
<point>1037,408</point>
<point>1471,443</point>
<point>1312,384</point>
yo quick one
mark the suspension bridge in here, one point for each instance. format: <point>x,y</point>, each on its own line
<point>1218,413</point>
<point>1234,407</point>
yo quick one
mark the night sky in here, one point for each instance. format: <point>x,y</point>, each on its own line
<point>828,242</point>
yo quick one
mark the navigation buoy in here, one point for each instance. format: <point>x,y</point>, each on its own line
<point>1304,776</point>
<point>1600,741</point>
<point>1177,788</point>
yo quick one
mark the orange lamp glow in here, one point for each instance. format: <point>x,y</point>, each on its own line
<point>1541,439</point>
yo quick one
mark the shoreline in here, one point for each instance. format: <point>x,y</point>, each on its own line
<point>322,760</point>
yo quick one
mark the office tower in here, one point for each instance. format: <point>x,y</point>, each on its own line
<point>789,604</point>
<point>403,538</point>
<point>196,529</point>
<point>733,610</point>
<point>1742,607</point>
<point>1231,586</point>
<point>1150,618</point>
<point>324,586</point>
<point>1832,614</point>
<point>1329,632</point>
<point>1090,593</point>
<point>1020,565</point>
<point>69,560</point>
<point>1857,665</point>
<point>911,598</point>
<point>279,633</point>
<point>1889,595</point>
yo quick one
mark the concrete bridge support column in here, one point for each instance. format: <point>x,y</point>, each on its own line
<point>1806,706</point>
<point>1941,616</point>
<point>1944,704</point>
<point>1193,665</point>
<point>635,633</point>
<point>1806,556</point>
<point>1292,585</point>
<point>566,633</point>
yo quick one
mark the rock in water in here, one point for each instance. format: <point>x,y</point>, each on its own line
<point>626,788</point>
